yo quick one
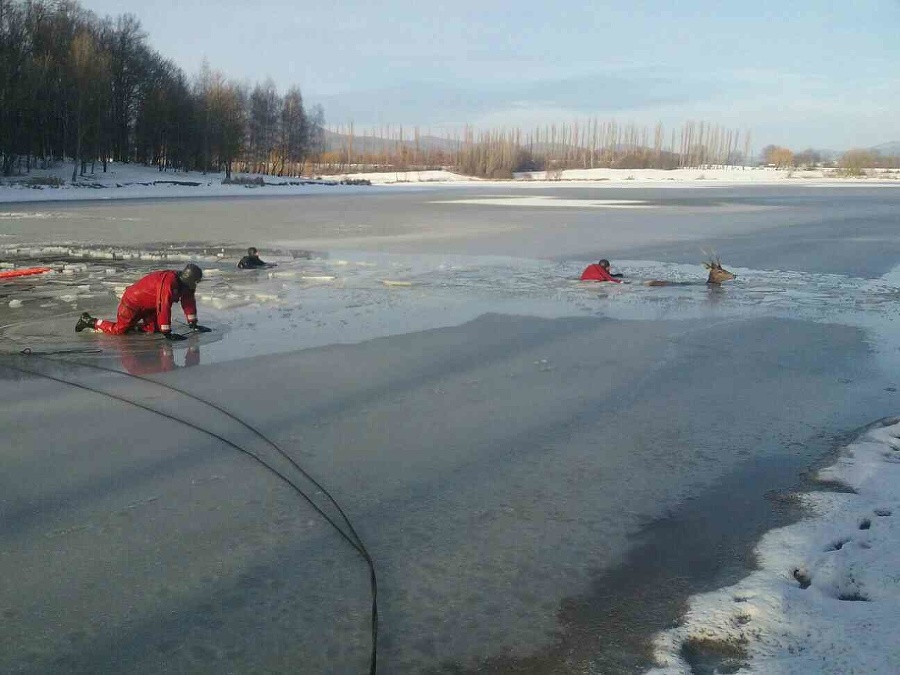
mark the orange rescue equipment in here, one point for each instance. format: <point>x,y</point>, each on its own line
<point>9,274</point>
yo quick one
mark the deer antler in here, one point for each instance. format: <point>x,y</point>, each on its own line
<point>713,261</point>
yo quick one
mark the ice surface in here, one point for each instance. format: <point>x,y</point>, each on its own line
<point>491,530</point>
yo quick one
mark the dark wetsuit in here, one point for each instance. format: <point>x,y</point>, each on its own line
<point>249,262</point>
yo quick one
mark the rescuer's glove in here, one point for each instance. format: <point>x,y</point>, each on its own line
<point>174,337</point>
<point>193,325</point>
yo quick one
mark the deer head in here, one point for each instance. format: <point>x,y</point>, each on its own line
<point>717,273</point>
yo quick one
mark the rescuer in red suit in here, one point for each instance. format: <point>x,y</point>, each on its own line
<point>599,271</point>
<point>147,305</point>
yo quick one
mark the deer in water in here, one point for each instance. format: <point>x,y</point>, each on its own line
<point>717,274</point>
<point>599,271</point>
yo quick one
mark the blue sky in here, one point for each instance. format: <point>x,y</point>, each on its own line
<point>802,74</point>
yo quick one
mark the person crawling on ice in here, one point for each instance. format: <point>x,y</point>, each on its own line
<point>252,261</point>
<point>147,305</point>
<point>599,271</point>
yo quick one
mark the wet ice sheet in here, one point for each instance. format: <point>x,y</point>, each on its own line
<point>313,299</point>
<point>467,456</point>
<point>140,543</point>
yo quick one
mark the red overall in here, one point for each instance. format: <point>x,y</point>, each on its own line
<point>149,302</point>
<point>596,273</point>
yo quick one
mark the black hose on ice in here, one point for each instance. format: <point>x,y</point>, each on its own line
<point>352,538</point>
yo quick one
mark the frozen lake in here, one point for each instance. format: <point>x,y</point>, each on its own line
<point>542,470</point>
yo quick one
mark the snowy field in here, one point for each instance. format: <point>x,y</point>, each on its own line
<point>825,592</point>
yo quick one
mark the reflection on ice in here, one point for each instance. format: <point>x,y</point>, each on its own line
<point>159,358</point>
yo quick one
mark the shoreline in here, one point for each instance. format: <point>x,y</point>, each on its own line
<point>140,182</point>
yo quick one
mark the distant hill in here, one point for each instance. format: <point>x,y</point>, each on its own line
<point>889,149</point>
<point>885,150</point>
<point>336,141</point>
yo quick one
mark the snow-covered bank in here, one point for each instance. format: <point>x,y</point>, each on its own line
<point>132,181</point>
<point>741,175</point>
<point>726,175</point>
<point>730,175</point>
<point>826,598</point>
<point>129,181</point>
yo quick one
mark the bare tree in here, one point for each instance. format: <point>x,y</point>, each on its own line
<point>316,133</point>
<point>807,158</point>
<point>87,70</point>
<point>294,130</point>
<point>855,162</point>
<point>232,110</point>
<point>263,136</point>
<point>777,156</point>
<point>127,59</point>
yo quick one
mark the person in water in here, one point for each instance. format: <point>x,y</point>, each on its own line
<point>599,271</point>
<point>146,305</point>
<point>252,261</point>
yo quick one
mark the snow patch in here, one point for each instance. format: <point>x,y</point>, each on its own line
<point>827,595</point>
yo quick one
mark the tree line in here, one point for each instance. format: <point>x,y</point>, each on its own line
<point>501,153</point>
<point>76,86</point>
<point>587,145</point>
<point>853,162</point>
